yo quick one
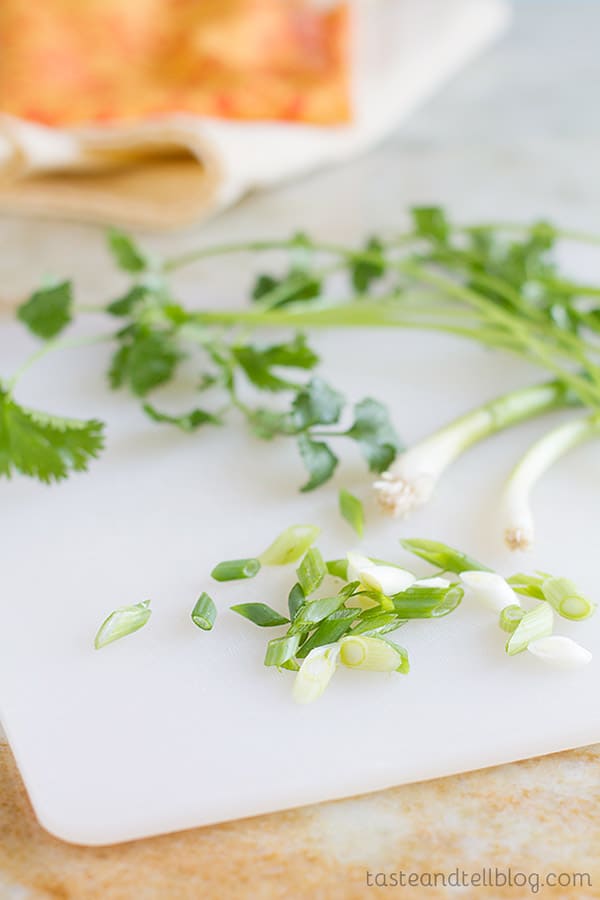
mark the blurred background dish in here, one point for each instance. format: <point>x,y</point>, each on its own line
<point>158,114</point>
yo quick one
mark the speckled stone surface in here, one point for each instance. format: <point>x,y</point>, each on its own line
<point>516,136</point>
<point>537,819</point>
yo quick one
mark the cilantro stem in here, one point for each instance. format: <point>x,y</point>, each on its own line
<point>346,253</point>
<point>524,339</point>
<point>565,234</point>
<point>51,347</point>
<point>186,259</point>
<point>383,312</point>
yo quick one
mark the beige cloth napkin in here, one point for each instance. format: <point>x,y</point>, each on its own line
<point>170,172</point>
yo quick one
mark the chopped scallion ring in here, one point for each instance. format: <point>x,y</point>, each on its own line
<point>236,569</point>
<point>204,612</point>
<point>121,622</point>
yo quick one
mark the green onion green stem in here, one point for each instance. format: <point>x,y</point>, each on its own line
<point>427,603</point>
<point>352,511</point>
<point>290,545</point>
<point>311,571</point>
<point>260,614</point>
<point>204,612</point>
<point>564,597</point>
<point>510,617</point>
<point>537,623</point>
<point>121,622</point>
<point>236,569</point>
<point>281,650</point>
<point>443,557</point>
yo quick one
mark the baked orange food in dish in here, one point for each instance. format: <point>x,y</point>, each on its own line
<point>72,62</point>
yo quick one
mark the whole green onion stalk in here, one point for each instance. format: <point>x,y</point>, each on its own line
<point>411,480</point>
<point>517,514</point>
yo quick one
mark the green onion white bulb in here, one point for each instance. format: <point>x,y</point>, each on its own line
<point>490,589</point>
<point>411,479</point>
<point>315,673</point>
<point>517,515</point>
<point>560,651</point>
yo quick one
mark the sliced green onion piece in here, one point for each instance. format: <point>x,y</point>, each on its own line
<point>291,665</point>
<point>510,617</point>
<point>386,562</point>
<point>315,674</point>
<point>260,614</point>
<point>446,558</point>
<point>329,631</point>
<point>427,603</point>
<point>386,579</point>
<point>527,585</point>
<point>338,568</point>
<point>314,612</point>
<point>368,600</point>
<point>311,571</point>
<point>280,650</point>
<point>537,623</point>
<point>290,545</point>
<point>564,597</point>
<point>204,612</point>
<point>489,589</point>
<point>356,564</point>
<point>375,622</point>
<point>295,600</point>
<point>352,511</point>
<point>236,569</point>
<point>121,622</point>
<point>404,666</point>
<point>349,589</point>
<point>369,653</point>
<point>560,651</point>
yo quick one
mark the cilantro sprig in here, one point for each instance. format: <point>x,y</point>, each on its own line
<point>43,446</point>
<point>505,277</point>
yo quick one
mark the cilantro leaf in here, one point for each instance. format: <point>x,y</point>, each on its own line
<point>519,261</point>
<point>374,434</point>
<point>258,369</point>
<point>295,353</point>
<point>366,271</point>
<point>258,362</point>
<point>145,359</point>
<point>43,446</point>
<point>267,423</point>
<point>209,380</point>
<point>318,459</point>
<point>125,305</point>
<point>48,310</point>
<point>189,421</point>
<point>297,284</point>
<point>317,404</point>
<point>263,285</point>
<point>431,222</point>
<point>126,254</point>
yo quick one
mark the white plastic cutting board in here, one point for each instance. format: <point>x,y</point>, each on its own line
<point>171,727</point>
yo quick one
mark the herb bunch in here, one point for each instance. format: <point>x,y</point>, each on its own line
<point>499,285</point>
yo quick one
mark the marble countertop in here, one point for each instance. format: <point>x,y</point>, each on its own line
<point>516,136</point>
